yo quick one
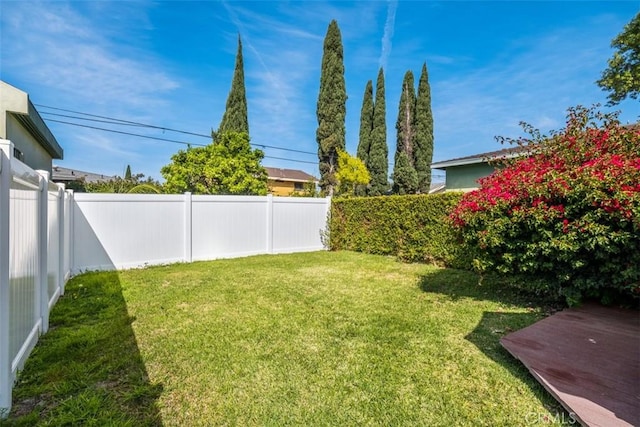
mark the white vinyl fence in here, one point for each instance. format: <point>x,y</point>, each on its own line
<point>32,266</point>
<point>47,234</point>
<point>117,231</point>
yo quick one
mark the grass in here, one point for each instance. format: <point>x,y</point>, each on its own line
<point>304,339</point>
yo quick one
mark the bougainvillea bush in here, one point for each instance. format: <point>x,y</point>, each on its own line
<point>565,219</point>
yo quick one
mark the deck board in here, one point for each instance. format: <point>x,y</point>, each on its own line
<point>588,358</point>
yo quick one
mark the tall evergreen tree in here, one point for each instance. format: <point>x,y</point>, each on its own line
<point>405,178</point>
<point>127,173</point>
<point>235,115</point>
<point>423,150</point>
<point>366,125</point>
<point>378,163</point>
<point>331,108</point>
<point>404,171</point>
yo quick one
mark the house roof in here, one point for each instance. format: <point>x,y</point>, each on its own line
<point>17,103</point>
<point>505,153</point>
<point>60,174</point>
<point>292,175</point>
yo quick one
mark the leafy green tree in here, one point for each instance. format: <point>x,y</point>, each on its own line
<point>227,166</point>
<point>404,173</point>
<point>235,115</point>
<point>351,173</point>
<point>127,174</point>
<point>331,108</point>
<point>622,78</point>
<point>378,163</point>
<point>135,184</point>
<point>423,150</point>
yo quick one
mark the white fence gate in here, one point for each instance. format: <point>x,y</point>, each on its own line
<point>47,234</point>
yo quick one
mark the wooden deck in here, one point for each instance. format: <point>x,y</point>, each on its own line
<point>588,358</point>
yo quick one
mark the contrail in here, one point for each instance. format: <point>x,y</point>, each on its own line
<point>388,33</point>
<point>247,42</point>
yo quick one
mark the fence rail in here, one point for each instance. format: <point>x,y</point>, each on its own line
<point>48,234</point>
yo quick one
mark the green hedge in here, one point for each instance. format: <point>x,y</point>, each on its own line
<point>413,228</point>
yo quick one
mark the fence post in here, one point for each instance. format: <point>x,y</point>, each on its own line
<point>61,232</point>
<point>269,223</point>
<point>6,151</point>
<point>71,232</point>
<point>43,246</point>
<point>327,226</point>
<point>188,231</point>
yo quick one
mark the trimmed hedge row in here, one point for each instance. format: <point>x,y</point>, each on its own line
<point>414,228</point>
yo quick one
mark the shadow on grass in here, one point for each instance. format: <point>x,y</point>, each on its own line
<point>87,370</point>
<point>460,284</point>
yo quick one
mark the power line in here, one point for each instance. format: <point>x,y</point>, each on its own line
<point>162,139</point>
<point>116,121</point>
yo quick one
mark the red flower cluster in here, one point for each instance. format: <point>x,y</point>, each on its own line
<point>568,212</point>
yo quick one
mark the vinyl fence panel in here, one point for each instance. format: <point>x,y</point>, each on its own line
<point>30,262</point>
<point>116,231</point>
<point>228,226</point>
<point>24,259</point>
<point>298,224</point>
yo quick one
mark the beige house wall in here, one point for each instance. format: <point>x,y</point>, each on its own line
<point>33,153</point>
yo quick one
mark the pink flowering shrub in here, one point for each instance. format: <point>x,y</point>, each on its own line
<point>564,220</point>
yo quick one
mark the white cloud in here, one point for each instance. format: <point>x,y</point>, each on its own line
<point>54,45</point>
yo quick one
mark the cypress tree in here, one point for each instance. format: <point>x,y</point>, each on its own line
<point>378,163</point>
<point>404,170</point>
<point>235,115</point>
<point>423,150</point>
<point>331,108</point>
<point>405,178</point>
<point>127,174</point>
<point>366,125</point>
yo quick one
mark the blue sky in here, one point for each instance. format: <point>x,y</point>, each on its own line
<point>170,64</point>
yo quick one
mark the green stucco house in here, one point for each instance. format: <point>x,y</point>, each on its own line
<point>462,174</point>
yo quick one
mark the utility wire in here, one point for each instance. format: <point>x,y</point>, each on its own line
<point>162,139</point>
<point>122,122</point>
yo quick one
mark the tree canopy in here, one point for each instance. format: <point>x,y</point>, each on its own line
<point>366,123</point>
<point>405,179</point>
<point>423,150</point>
<point>235,117</point>
<point>378,163</point>
<point>622,77</point>
<point>227,166</point>
<point>351,173</point>
<point>331,108</point>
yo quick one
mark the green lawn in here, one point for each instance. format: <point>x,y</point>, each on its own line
<point>319,338</point>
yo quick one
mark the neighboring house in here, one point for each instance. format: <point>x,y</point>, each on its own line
<point>462,174</point>
<point>284,182</point>
<point>66,176</point>
<point>437,187</point>
<point>20,123</point>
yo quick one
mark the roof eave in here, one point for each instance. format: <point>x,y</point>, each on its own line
<point>474,160</point>
<point>37,127</point>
